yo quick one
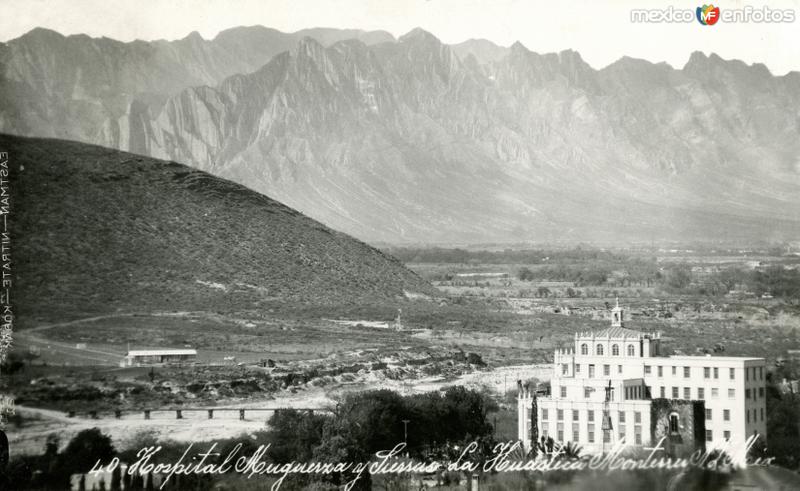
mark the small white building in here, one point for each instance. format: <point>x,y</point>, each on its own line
<point>604,387</point>
<point>139,358</point>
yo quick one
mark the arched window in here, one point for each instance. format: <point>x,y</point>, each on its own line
<point>599,350</point>
<point>631,350</point>
<point>674,427</point>
<point>615,349</point>
<point>584,349</point>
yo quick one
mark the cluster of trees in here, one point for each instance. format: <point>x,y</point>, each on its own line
<point>774,280</point>
<point>617,275</point>
<point>507,256</point>
<point>362,424</point>
<point>783,416</point>
<point>678,278</point>
<point>52,469</point>
<point>431,424</point>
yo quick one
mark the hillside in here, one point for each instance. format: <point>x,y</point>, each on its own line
<point>414,140</point>
<point>98,230</point>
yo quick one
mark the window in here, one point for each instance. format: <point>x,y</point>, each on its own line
<point>621,417</point>
<point>575,432</point>
<point>564,369</point>
<point>584,349</point>
<point>615,350</point>
<point>686,372</point>
<point>726,434</point>
<point>587,392</point>
<point>631,350</point>
<point>599,350</point>
<point>747,393</point>
<point>733,373</point>
<point>761,392</point>
<point>663,392</point>
<point>637,437</point>
<point>606,436</point>
<point>726,414</point>
<point>675,392</point>
<point>591,415</point>
<point>560,435</point>
<point>687,393</point>
<point>648,392</point>
<point>544,414</point>
<point>674,371</point>
<point>575,415</point>
<point>660,371</point>
<point>591,433</point>
<point>706,372</point>
<point>760,373</point>
<point>731,393</point>
<point>747,373</point>
<point>709,435</point>
<point>714,392</point>
<point>716,372</point>
<point>701,393</point>
<point>606,370</point>
<point>762,414</point>
<point>621,432</point>
<point>619,368</point>
<point>560,414</point>
<point>747,415</point>
<point>578,368</point>
<point>647,369</point>
<point>708,414</point>
<point>637,417</point>
<point>591,371</point>
<point>563,392</point>
<point>673,423</point>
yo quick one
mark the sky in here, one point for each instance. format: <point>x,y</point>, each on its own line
<point>602,32</point>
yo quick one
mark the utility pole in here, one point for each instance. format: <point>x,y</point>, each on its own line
<point>606,425</point>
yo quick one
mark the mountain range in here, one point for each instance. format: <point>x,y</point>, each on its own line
<point>97,230</point>
<point>413,140</point>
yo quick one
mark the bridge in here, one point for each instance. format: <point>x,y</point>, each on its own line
<point>179,412</point>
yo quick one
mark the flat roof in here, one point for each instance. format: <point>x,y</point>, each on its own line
<point>157,352</point>
<point>711,357</point>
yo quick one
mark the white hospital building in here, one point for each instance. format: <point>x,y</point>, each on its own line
<point>614,383</point>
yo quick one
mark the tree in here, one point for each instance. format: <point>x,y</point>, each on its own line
<point>294,435</point>
<point>525,274</point>
<point>678,278</point>
<point>81,454</point>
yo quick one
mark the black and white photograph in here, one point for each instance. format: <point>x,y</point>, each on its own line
<point>399,245</point>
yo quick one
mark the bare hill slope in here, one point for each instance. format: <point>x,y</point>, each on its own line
<point>99,230</point>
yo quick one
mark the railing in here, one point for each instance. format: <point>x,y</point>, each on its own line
<point>179,412</point>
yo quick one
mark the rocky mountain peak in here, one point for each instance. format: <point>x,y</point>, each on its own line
<point>419,35</point>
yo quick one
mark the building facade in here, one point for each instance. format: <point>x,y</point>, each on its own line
<point>138,358</point>
<point>615,384</point>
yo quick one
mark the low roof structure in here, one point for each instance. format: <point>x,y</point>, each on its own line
<point>162,352</point>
